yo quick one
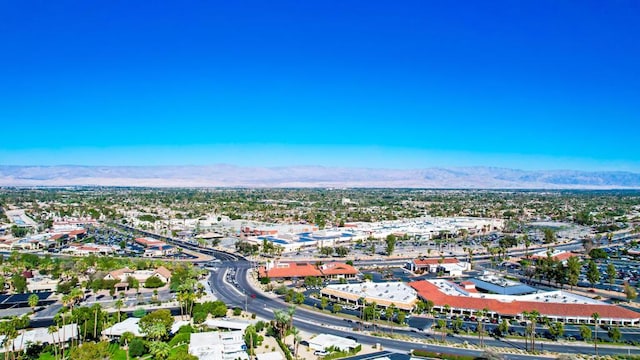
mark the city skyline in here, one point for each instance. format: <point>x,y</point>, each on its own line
<point>531,86</point>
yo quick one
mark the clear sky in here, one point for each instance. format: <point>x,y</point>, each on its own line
<point>396,84</point>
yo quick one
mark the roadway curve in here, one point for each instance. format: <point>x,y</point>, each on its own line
<point>237,291</point>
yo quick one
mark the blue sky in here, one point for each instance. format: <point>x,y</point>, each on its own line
<point>531,85</point>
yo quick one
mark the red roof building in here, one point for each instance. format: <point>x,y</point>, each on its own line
<point>290,270</point>
<point>565,312</point>
<point>558,255</point>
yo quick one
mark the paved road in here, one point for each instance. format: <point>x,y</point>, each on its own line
<point>237,291</point>
<point>230,284</point>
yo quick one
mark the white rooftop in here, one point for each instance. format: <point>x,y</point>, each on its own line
<point>128,325</point>
<point>218,345</point>
<point>324,341</point>
<point>227,324</point>
<point>41,335</point>
<point>389,291</point>
<point>274,355</point>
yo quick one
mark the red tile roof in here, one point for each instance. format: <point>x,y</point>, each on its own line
<point>336,268</point>
<point>431,292</point>
<point>565,255</point>
<point>289,270</point>
<point>303,269</point>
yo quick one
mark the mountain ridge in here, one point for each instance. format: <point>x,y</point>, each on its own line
<point>226,175</point>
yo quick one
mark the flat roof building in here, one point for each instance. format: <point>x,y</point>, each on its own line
<point>383,294</point>
<point>218,345</point>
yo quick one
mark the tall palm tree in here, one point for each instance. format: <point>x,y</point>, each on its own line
<point>52,330</point>
<point>296,340</point>
<point>119,305</point>
<point>479,318</point>
<point>595,316</point>
<point>533,318</point>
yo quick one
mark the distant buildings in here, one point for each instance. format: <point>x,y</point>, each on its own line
<point>447,266</point>
<point>299,237</point>
<point>155,248</point>
<point>123,274</point>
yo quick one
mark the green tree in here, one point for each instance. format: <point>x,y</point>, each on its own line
<point>593,274</point>
<point>390,242</point>
<point>630,292</point>
<point>556,329</point>
<point>323,302</point>
<point>137,347</point>
<point>119,304</point>
<point>159,349</point>
<point>33,301</point>
<point>503,327</point>
<point>91,351</point>
<point>162,316</point>
<point>614,333</point>
<point>585,332</point>
<point>533,319</point>
<point>549,235</point>
<point>573,271</point>
<point>611,274</point>
<point>19,283</point>
<point>442,326</point>
<point>336,308</point>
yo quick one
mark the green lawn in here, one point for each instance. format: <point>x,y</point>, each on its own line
<point>46,356</point>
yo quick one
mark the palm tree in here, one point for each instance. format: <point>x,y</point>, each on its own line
<point>119,305</point>
<point>159,349</point>
<point>595,316</point>
<point>533,318</point>
<point>52,330</point>
<point>296,340</point>
<point>126,337</point>
<point>479,317</point>
<point>33,301</point>
<point>156,331</point>
<point>281,319</point>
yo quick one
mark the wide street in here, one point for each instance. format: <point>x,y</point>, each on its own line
<point>231,284</point>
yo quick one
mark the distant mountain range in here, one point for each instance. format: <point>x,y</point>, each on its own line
<point>313,176</point>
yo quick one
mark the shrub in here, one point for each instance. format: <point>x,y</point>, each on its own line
<point>137,348</point>
<point>180,338</point>
<point>153,282</point>
<point>138,313</point>
<point>186,329</point>
<point>237,311</point>
<point>199,317</point>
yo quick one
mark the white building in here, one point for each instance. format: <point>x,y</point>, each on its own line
<point>128,325</point>
<point>217,345</point>
<point>398,293</point>
<point>39,283</point>
<point>42,336</point>
<point>325,341</point>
